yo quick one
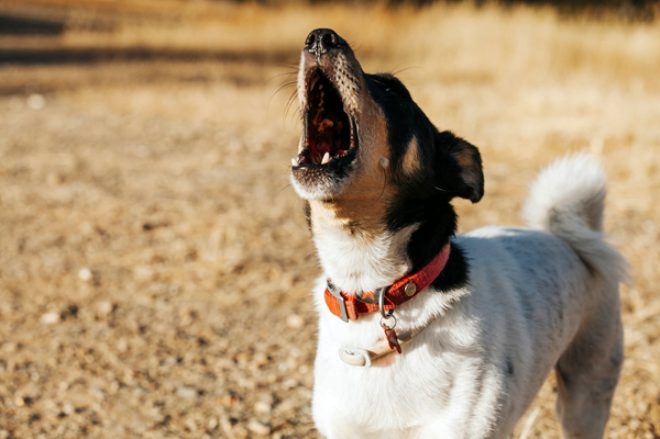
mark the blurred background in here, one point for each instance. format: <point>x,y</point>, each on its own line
<point>155,265</point>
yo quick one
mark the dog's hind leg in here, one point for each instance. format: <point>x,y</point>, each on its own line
<point>588,372</point>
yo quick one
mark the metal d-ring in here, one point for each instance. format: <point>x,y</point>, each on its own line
<point>385,318</point>
<point>385,314</point>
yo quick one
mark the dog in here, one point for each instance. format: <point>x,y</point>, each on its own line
<point>424,333</point>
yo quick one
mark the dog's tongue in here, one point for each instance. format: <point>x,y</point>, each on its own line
<point>324,139</point>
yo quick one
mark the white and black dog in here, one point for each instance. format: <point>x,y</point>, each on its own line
<point>424,334</point>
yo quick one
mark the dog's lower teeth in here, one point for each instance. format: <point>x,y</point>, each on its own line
<point>326,158</point>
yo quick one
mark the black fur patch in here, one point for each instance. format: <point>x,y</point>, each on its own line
<point>450,167</point>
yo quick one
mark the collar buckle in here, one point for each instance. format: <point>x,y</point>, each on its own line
<point>346,308</point>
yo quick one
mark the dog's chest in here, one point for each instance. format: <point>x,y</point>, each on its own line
<point>403,392</point>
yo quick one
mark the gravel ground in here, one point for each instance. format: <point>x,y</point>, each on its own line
<point>147,287</point>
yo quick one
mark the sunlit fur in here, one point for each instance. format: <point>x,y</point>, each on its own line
<point>511,305</point>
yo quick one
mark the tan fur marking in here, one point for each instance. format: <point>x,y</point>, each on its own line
<point>370,191</point>
<point>362,204</point>
<point>411,162</point>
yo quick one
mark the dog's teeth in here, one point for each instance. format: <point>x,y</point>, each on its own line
<point>326,158</point>
<point>295,161</point>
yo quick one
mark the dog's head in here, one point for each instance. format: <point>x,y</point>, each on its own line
<point>367,148</point>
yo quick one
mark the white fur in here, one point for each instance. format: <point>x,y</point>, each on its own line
<point>536,299</point>
<point>358,262</point>
<point>568,200</point>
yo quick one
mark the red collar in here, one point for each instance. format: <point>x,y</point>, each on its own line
<point>349,306</point>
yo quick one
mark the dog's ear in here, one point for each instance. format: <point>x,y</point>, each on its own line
<point>458,167</point>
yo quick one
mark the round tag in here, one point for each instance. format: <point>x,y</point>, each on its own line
<point>355,356</point>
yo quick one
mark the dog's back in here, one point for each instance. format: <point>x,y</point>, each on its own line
<point>559,281</point>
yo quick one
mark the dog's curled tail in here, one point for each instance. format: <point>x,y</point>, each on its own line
<point>568,200</point>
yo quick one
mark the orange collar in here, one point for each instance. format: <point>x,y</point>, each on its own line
<point>349,306</point>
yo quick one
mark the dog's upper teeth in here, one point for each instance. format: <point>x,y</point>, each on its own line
<point>295,161</point>
<point>326,158</point>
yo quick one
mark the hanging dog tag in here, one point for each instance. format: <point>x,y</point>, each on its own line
<point>392,340</point>
<point>390,333</point>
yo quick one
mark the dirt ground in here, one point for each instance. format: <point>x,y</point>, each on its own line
<point>155,265</point>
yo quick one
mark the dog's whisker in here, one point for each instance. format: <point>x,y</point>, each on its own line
<point>290,101</point>
<point>283,188</point>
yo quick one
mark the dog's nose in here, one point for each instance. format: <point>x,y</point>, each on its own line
<point>320,41</point>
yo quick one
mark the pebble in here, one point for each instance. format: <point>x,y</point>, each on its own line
<point>258,427</point>
<point>105,307</point>
<point>212,423</point>
<point>67,408</point>
<point>294,321</point>
<point>259,359</point>
<point>19,401</point>
<point>122,345</point>
<point>187,392</point>
<point>85,274</point>
<point>50,318</point>
<point>262,407</point>
<point>190,424</point>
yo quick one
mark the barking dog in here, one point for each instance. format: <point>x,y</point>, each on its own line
<point>423,333</point>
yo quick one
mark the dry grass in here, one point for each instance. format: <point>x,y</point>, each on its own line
<point>152,253</point>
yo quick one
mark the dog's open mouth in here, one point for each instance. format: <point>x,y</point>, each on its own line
<point>330,133</point>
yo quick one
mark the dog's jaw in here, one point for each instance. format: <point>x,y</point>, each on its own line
<point>328,86</point>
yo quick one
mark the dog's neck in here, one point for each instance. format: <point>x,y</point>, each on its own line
<point>358,257</point>
<point>365,255</point>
